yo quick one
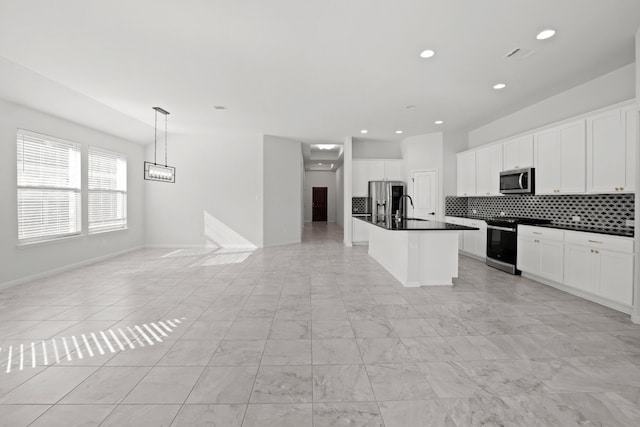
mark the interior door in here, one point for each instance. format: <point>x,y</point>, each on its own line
<point>319,206</point>
<point>425,195</point>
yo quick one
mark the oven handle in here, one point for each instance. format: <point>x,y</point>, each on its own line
<point>495,227</point>
<point>520,181</point>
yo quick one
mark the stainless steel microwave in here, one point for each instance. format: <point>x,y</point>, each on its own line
<point>517,181</point>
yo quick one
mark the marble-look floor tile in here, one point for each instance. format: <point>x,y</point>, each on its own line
<point>383,350</point>
<point>399,382</point>
<point>78,415</point>
<point>282,384</point>
<point>20,415</point>
<point>335,351</point>
<point>290,330</point>
<point>448,380</point>
<point>107,385</point>
<point>430,349</point>
<point>189,353</point>
<point>224,385</point>
<point>164,385</point>
<point>141,416</point>
<point>482,411</point>
<point>413,328</point>
<point>238,353</point>
<point>327,329</point>
<point>347,414</point>
<point>475,348</point>
<point>279,415</point>
<point>287,352</point>
<point>210,415</point>
<point>249,330</point>
<point>378,328</point>
<point>423,413</point>
<point>49,386</point>
<point>341,383</point>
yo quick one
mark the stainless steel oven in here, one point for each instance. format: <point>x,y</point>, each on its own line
<point>502,247</point>
<point>502,241</point>
<point>517,181</point>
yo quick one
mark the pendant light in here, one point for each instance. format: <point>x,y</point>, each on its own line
<point>154,171</point>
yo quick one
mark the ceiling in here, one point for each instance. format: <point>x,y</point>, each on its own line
<point>315,70</point>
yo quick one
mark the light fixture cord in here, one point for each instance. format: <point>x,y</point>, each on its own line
<point>165,139</point>
<point>155,139</point>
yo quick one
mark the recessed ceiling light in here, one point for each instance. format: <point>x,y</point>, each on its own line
<point>326,146</point>
<point>499,86</point>
<point>411,107</point>
<point>331,165</point>
<point>319,164</point>
<point>364,131</point>
<point>398,131</point>
<point>546,34</point>
<point>438,122</point>
<point>427,53</point>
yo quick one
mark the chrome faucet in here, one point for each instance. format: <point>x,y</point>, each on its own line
<point>400,207</point>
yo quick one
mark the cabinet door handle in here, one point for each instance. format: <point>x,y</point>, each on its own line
<point>595,241</point>
<point>537,232</point>
<point>537,241</point>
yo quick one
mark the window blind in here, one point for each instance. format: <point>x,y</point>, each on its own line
<point>107,191</point>
<point>48,187</point>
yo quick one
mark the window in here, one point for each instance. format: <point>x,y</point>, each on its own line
<point>48,187</point>
<point>107,191</point>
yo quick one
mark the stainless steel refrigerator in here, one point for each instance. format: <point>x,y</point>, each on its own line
<point>385,197</point>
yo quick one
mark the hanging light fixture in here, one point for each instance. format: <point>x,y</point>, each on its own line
<point>154,171</point>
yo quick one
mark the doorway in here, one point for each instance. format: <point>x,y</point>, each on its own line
<point>319,204</point>
<point>425,194</point>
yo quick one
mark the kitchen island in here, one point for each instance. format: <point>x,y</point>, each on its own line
<point>417,252</point>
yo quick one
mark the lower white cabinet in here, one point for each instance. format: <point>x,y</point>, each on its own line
<point>596,264</point>
<point>541,252</point>
<point>600,264</point>
<point>359,231</point>
<point>471,242</point>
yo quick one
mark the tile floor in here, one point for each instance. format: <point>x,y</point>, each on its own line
<point>314,334</point>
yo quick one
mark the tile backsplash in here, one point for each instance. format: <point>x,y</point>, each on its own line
<point>359,204</point>
<point>605,211</point>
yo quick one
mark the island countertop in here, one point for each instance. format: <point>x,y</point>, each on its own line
<point>389,222</point>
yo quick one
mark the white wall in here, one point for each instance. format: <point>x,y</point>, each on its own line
<point>611,88</point>
<point>421,153</point>
<point>635,314</point>
<point>20,263</point>
<point>217,175</point>
<point>282,191</point>
<point>320,179</point>
<point>371,149</point>
<point>347,166</point>
<point>340,196</point>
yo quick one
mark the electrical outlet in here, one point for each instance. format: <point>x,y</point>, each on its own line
<point>475,211</point>
<point>575,218</point>
<point>629,223</point>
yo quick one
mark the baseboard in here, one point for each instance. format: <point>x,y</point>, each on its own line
<point>582,294</point>
<point>68,267</point>
<point>470,255</point>
<point>635,318</point>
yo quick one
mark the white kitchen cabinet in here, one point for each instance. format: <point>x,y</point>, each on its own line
<point>393,170</point>
<point>466,174</point>
<point>601,265</point>
<point>373,170</point>
<point>541,252</point>
<point>611,150</point>
<point>559,155</point>
<point>488,168</point>
<point>359,232</point>
<point>360,178</point>
<point>475,242</point>
<point>518,153</point>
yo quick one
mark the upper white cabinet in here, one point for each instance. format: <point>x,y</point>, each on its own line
<point>374,170</point>
<point>518,153</point>
<point>559,155</point>
<point>488,168</point>
<point>611,140</point>
<point>466,174</point>
<point>393,170</point>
